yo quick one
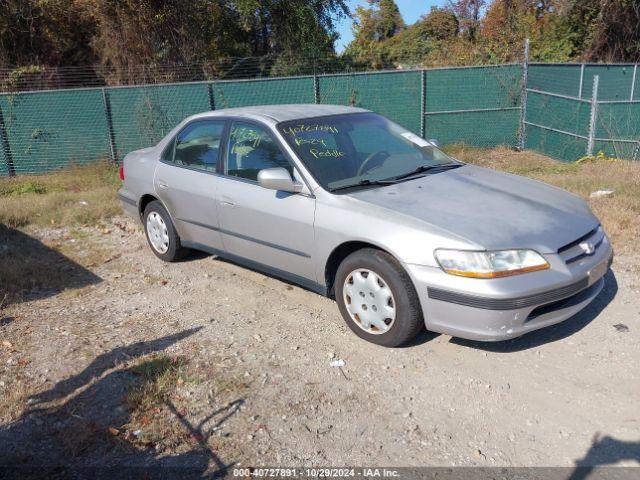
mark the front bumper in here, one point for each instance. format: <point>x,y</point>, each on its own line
<point>505,308</point>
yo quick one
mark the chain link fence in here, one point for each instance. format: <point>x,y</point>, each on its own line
<point>565,111</point>
<point>577,110</point>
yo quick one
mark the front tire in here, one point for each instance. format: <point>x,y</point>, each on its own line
<point>161,233</point>
<point>377,299</point>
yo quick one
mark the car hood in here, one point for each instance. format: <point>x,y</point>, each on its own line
<point>491,209</point>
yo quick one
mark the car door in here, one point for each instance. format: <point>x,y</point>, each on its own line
<point>271,228</point>
<point>186,180</point>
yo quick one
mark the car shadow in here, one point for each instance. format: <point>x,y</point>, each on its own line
<point>556,332</point>
<point>77,429</point>
<point>30,270</point>
<point>606,450</point>
<point>423,337</point>
<point>195,255</point>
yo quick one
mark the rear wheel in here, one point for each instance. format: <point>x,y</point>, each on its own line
<point>161,234</point>
<point>377,299</point>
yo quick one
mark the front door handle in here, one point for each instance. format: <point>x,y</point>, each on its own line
<point>226,202</point>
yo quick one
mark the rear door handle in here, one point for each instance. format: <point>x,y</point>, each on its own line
<point>162,184</point>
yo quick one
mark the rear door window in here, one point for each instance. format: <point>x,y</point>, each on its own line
<point>198,145</point>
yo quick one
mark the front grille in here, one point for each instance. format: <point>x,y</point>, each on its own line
<point>508,303</point>
<point>572,252</point>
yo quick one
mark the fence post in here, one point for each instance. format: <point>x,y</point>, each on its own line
<point>523,97</point>
<point>593,117</point>
<point>316,88</point>
<point>633,82</point>
<point>212,97</point>
<point>423,103</point>
<point>6,148</point>
<point>107,113</point>
<point>581,80</point>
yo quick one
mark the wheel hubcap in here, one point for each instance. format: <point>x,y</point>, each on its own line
<point>369,301</point>
<point>157,232</point>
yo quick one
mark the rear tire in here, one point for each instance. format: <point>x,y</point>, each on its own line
<point>161,233</point>
<point>377,299</point>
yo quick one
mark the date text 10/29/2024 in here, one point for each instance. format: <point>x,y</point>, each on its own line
<point>315,472</point>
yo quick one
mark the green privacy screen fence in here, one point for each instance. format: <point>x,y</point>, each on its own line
<point>557,111</point>
<point>577,110</point>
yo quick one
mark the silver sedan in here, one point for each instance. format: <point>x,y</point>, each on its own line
<point>348,204</point>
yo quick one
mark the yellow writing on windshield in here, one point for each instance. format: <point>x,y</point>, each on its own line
<point>326,153</point>
<point>310,141</point>
<point>304,128</point>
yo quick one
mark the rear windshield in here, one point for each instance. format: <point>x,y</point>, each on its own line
<point>342,150</point>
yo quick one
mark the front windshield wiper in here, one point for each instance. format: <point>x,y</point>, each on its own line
<point>406,176</point>
<point>427,168</point>
<point>363,183</point>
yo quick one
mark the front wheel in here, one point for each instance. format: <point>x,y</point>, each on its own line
<point>161,234</point>
<point>377,299</point>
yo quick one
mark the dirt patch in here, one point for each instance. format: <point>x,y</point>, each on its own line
<point>202,364</point>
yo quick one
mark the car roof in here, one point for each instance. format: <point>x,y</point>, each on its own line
<point>282,113</point>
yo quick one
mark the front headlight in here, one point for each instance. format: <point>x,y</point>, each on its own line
<point>496,264</point>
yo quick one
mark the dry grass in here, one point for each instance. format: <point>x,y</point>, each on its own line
<point>80,196</point>
<point>152,399</point>
<point>159,378</point>
<point>13,398</point>
<point>77,196</point>
<point>619,214</point>
<point>163,414</point>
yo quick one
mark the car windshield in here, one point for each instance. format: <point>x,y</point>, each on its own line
<point>361,149</point>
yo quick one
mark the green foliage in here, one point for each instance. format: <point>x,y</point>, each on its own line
<point>135,39</point>
<point>440,24</point>
<point>414,45</point>
<point>479,31</point>
<point>410,46</point>
<point>49,32</point>
<point>372,27</point>
<point>21,188</point>
<point>131,37</point>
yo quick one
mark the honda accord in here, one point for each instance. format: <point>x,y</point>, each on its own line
<point>351,205</point>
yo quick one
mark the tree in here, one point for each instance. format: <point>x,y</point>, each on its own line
<point>409,47</point>
<point>508,23</point>
<point>131,33</point>
<point>606,30</point>
<point>42,33</point>
<point>371,28</point>
<point>379,22</point>
<point>440,24</point>
<point>390,21</point>
<point>468,13</point>
<point>131,38</point>
<point>414,44</point>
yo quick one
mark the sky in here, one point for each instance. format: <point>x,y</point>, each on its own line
<point>411,11</point>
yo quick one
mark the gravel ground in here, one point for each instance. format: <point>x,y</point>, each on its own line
<point>266,393</point>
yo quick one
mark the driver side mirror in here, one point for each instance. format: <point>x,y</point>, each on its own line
<point>434,142</point>
<point>278,178</point>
